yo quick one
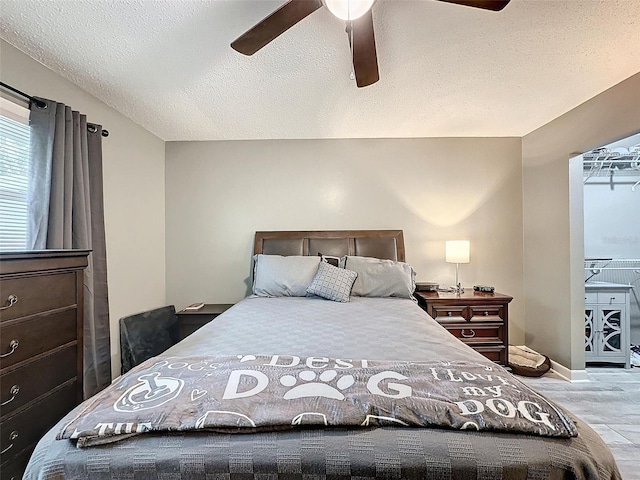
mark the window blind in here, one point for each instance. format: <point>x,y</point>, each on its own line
<point>14,177</point>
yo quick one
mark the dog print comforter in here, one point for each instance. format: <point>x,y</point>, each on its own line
<point>246,393</point>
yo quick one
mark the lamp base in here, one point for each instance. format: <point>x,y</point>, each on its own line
<point>458,288</point>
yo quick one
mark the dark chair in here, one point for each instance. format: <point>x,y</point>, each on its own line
<point>146,335</point>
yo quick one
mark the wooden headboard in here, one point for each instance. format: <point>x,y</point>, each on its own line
<point>385,244</point>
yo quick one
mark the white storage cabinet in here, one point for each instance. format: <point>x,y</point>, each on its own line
<point>607,323</point>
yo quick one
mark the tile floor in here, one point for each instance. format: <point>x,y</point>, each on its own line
<point>609,403</point>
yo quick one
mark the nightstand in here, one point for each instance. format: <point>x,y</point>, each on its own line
<point>189,322</point>
<point>481,320</point>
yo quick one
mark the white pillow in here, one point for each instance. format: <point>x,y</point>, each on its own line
<point>279,276</point>
<point>332,283</point>
<point>381,278</point>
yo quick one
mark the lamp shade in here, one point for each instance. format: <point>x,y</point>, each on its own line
<point>348,9</point>
<point>457,251</point>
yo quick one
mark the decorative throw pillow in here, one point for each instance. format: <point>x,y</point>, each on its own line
<point>332,283</point>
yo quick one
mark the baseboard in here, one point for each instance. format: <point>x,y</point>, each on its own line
<point>573,376</point>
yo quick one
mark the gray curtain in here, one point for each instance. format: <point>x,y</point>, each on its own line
<point>66,210</point>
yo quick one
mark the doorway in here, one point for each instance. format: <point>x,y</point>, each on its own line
<point>611,239</point>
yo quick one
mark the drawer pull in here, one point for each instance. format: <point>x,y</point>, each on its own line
<point>14,393</point>
<point>473,333</point>
<point>448,314</point>
<point>13,345</point>
<point>12,436</point>
<point>486,314</point>
<point>11,301</point>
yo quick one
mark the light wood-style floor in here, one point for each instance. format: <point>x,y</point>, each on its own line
<point>609,403</point>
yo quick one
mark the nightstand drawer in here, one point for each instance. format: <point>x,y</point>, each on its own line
<point>496,353</point>
<point>448,313</point>
<point>478,333</point>
<point>486,313</point>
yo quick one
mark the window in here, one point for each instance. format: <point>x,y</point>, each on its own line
<point>14,175</point>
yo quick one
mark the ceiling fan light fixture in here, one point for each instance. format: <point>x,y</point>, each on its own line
<point>348,9</point>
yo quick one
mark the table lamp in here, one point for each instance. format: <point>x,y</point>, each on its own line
<point>457,251</point>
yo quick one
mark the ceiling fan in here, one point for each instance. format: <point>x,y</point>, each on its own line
<point>359,28</point>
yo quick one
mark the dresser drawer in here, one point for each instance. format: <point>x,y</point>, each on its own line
<point>448,313</point>
<point>22,385</point>
<point>486,313</point>
<point>27,427</point>
<point>612,298</point>
<point>14,469</point>
<point>478,333</point>
<point>36,335</point>
<point>37,294</point>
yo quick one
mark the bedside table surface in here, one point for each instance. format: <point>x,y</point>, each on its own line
<point>466,297</point>
<point>208,309</point>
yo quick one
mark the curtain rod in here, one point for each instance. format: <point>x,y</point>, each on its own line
<point>40,103</point>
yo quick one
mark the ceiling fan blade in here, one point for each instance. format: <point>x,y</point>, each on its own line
<point>275,24</point>
<point>495,5</point>
<point>363,46</point>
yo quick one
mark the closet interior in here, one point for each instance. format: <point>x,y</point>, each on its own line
<point>611,180</point>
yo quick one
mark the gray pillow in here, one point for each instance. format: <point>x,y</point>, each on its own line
<point>279,276</point>
<point>381,278</point>
<point>332,283</point>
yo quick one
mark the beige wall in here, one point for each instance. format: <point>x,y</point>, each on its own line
<point>494,192</point>
<point>552,212</point>
<point>220,193</point>
<point>133,191</point>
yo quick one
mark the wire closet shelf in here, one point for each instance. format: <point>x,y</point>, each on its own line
<point>604,162</point>
<point>615,270</point>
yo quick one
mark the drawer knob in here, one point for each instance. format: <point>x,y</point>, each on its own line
<point>14,392</point>
<point>12,436</point>
<point>448,314</point>
<point>11,301</point>
<point>469,335</point>
<point>13,345</point>
<point>486,314</point>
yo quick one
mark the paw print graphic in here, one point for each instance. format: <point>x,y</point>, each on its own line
<point>315,388</point>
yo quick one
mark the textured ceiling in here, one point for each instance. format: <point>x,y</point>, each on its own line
<point>445,70</point>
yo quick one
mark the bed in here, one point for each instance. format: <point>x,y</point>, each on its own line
<point>335,335</point>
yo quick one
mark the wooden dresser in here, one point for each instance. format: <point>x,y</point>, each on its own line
<point>41,329</point>
<point>481,320</point>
